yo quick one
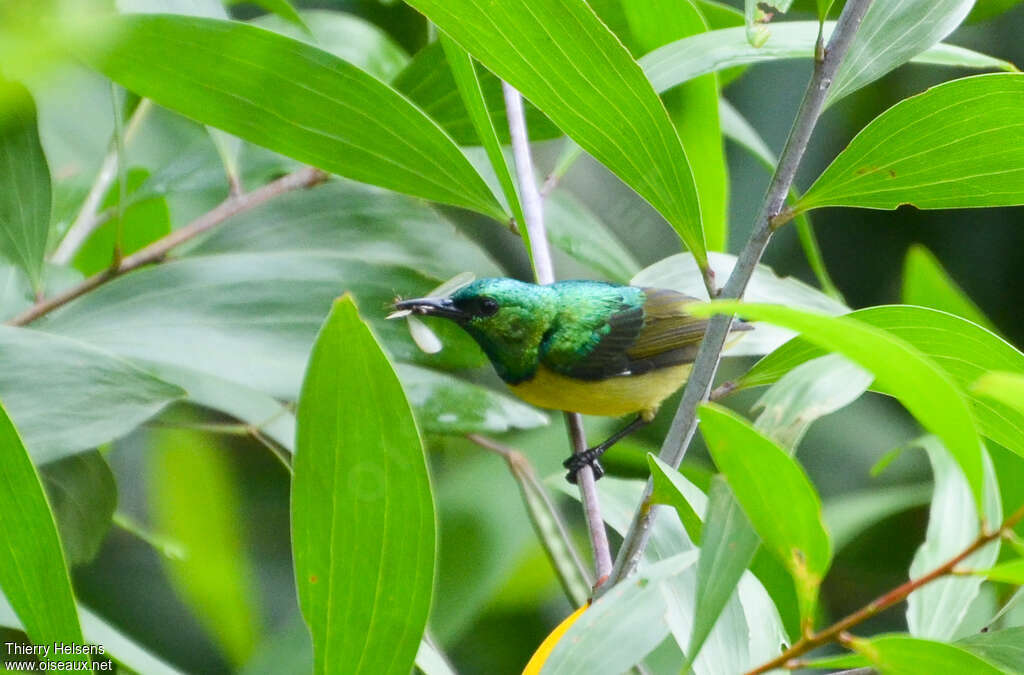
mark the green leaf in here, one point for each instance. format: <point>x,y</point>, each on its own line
<point>1006,388</point>
<point>937,609</point>
<point>957,145</point>
<point>227,312</point>
<point>100,397</point>
<point>222,71</point>
<point>849,514</point>
<point>1008,573</point>
<point>726,549</point>
<point>891,34</point>
<point>33,574</point>
<point>1002,648</point>
<point>347,36</point>
<point>83,496</point>
<point>364,559</point>
<point>691,57</point>
<point>964,350</point>
<point>468,82</point>
<point>589,86</point>
<point>448,405</point>
<point>672,489</point>
<point>622,626</point>
<point>195,500</point>
<point>776,496</point>
<point>24,184</point>
<point>757,14</point>
<point>927,283</point>
<point>573,228</point>
<point>983,11</point>
<point>927,391</point>
<point>905,655</point>
<point>208,8</point>
<point>280,8</point>
<point>693,108</point>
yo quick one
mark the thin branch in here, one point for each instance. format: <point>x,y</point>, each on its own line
<point>89,217</point>
<point>880,604</point>
<point>155,252</point>
<point>684,425</point>
<point>533,211</point>
<point>547,522</point>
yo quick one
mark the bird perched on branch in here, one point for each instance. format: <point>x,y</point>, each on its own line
<point>579,346</point>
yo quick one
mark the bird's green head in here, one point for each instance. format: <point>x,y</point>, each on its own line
<point>507,318</point>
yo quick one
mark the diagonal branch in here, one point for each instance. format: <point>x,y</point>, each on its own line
<point>155,252</point>
<point>684,425</point>
<point>533,211</point>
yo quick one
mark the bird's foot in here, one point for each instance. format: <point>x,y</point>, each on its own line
<point>588,457</point>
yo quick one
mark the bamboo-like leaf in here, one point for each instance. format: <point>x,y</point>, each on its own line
<point>905,655</point>
<point>928,392</point>
<point>672,489</point>
<point>1008,573</point>
<point>589,86</point>
<point>776,496</point>
<point>220,75</point>
<point>926,283</point>
<point>959,144</point>
<point>33,574</point>
<point>1007,388</point>
<point>281,8</point>
<point>24,184</point>
<point>83,496</point>
<point>999,647</point>
<point>364,557</point>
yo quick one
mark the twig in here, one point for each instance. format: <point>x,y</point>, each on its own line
<point>896,595</point>
<point>89,217</point>
<point>155,252</point>
<point>706,363</point>
<point>547,522</point>
<point>533,211</point>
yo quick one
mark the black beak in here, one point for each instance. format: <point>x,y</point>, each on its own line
<point>442,307</point>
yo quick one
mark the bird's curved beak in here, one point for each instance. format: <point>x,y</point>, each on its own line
<point>442,307</point>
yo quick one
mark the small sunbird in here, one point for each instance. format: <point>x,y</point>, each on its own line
<point>589,347</point>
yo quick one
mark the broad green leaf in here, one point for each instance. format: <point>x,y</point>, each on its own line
<point>957,145</point>
<point>987,9</point>
<point>622,626</point>
<point>680,273</point>
<point>726,549</point>
<point>573,228</point>
<point>924,388</point>
<point>849,514</point>
<point>347,36</point>
<point>927,283</point>
<point>33,574</point>
<point>195,499</point>
<point>891,34</point>
<point>905,655</point>
<point>428,82</point>
<point>280,8</point>
<point>24,185</point>
<point>937,610</point>
<point>83,496</point>
<point>1006,388</point>
<point>671,489</point>
<point>220,314</point>
<point>15,292</point>
<point>447,405</point>
<point>99,396</point>
<point>468,82</point>
<point>1003,648</point>
<point>589,86</point>
<point>964,350</point>
<point>222,71</point>
<point>776,496</point>
<point>757,14</point>
<point>691,57</point>
<point>1009,573</point>
<point>364,559</point>
<point>692,106</point>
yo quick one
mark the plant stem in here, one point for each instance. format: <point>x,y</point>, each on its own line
<point>684,425</point>
<point>533,211</point>
<point>896,595</point>
<point>155,252</point>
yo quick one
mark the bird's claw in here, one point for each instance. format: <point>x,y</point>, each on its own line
<point>588,457</point>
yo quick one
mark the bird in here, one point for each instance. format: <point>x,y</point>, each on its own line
<point>589,347</point>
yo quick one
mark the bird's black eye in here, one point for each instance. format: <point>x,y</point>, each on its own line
<point>488,306</point>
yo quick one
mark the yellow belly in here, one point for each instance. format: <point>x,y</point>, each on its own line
<point>611,397</point>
